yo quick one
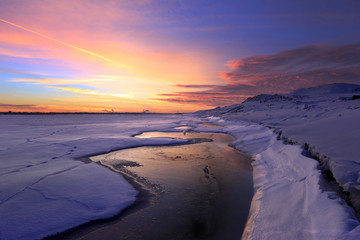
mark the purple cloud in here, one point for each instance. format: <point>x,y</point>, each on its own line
<point>279,73</point>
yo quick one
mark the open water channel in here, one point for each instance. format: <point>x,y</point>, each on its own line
<point>199,190</point>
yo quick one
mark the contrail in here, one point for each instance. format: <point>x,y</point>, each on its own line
<point>64,43</point>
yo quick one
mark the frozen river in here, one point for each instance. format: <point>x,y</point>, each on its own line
<point>200,190</point>
<point>44,191</point>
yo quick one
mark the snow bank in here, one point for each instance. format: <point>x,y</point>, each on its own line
<point>288,202</point>
<point>44,191</point>
<point>325,117</point>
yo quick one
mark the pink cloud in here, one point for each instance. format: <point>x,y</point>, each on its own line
<point>234,63</point>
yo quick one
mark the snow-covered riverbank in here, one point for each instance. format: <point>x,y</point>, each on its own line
<point>289,202</point>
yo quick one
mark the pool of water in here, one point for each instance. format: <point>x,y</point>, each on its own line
<point>200,191</point>
<point>206,124</point>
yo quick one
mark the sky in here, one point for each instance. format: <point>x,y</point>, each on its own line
<point>170,55</point>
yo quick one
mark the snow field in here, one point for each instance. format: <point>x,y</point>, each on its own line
<point>43,190</point>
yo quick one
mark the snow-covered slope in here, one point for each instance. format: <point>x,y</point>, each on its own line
<point>289,203</point>
<point>327,119</point>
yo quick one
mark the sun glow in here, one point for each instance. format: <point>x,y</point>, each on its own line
<point>115,72</point>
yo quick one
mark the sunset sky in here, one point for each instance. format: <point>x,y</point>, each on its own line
<point>170,56</point>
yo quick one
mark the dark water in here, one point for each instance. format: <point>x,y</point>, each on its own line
<point>198,191</point>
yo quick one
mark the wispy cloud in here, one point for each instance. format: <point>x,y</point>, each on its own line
<point>5,107</point>
<point>279,73</point>
<point>18,106</point>
<point>63,81</point>
<point>193,86</point>
<point>93,92</point>
<point>20,72</point>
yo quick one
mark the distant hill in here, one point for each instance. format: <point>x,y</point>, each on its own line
<point>344,91</point>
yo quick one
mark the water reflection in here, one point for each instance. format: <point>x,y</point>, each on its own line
<point>184,128</point>
<point>182,135</point>
<point>203,190</point>
<point>205,124</point>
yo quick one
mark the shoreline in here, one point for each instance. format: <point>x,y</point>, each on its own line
<point>143,200</point>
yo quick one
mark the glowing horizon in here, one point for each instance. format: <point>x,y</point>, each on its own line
<point>174,56</point>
